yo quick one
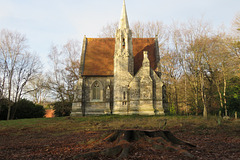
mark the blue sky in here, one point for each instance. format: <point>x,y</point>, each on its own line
<point>47,22</point>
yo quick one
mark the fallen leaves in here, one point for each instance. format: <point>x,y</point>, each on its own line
<point>53,141</point>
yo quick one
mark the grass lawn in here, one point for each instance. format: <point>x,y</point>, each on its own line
<point>65,137</point>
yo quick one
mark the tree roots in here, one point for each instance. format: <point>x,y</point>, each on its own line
<point>122,142</point>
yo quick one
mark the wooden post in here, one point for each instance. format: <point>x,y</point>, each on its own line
<point>236,115</point>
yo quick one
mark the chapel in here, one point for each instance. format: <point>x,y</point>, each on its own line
<point>119,75</point>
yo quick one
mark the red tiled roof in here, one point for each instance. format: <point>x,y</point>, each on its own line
<point>100,54</point>
<point>140,45</point>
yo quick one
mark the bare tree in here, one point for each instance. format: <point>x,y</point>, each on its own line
<point>2,78</point>
<point>236,25</point>
<point>19,66</point>
<point>235,43</point>
<point>139,30</point>
<point>221,60</point>
<point>37,89</point>
<point>109,30</point>
<point>171,72</point>
<point>66,65</point>
<point>183,39</point>
<point>195,55</point>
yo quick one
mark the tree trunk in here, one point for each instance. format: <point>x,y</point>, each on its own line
<point>122,141</point>
<point>224,94</point>
<point>185,93</point>
<point>220,95</point>
<point>203,97</point>
<point>176,99</point>
<point>9,94</point>
<point>210,94</point>
<point>196,98</point>
<point>9,99</point>
<point>9,111</point>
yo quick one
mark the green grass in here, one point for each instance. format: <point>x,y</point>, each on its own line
<point>65,125</point>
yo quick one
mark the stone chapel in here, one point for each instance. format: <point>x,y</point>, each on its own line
<point>119,75</point>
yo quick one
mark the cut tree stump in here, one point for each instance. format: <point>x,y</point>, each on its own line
<point>121,142</point>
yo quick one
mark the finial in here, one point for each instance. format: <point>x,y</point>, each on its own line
<point>145,54</point>
<point>146,62</point>
<point>124,20</point>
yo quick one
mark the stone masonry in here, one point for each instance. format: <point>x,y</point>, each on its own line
<point>131,86</point>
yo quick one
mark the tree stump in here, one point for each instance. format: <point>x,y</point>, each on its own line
<point>122,141</point>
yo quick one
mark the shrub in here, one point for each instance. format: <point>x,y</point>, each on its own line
<point>172,109</point>
<point>24,109</point>
<point>62,108</point>
<point>233,96</point>
<point>27,109</point>
<point>4,108</point>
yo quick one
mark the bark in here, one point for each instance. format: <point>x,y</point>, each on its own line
<point>224,94</point>
<point>203,97</point>
<point>9,98</point>
<point>9,111</point>
<point>220,96</point>
<point>185,93</point>
<point>176,99</point>
<point>196,98</point>
<point>124,140</point>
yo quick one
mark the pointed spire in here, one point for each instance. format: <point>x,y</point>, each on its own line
<point>123,24</point>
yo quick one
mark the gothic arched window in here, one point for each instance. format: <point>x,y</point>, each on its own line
<point>123,42</point>
<point>124,95</point>
<point>96,91</point>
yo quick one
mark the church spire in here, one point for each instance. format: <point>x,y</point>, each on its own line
<point>123,24</point>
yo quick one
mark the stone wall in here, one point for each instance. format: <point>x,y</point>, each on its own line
<point>124,93</point>
<point>102,105</point>
<point>142,95</point>
<point>88,103</point>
